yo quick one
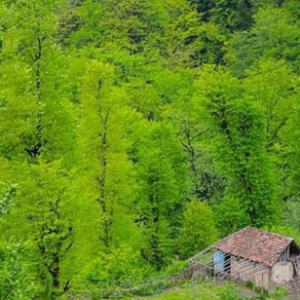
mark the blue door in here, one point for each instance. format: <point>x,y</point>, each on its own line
<point>219,262</point>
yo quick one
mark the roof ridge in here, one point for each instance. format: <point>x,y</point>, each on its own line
<point>270,233</point>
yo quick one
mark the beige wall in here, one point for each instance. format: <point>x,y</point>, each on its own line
<point>282,272</point>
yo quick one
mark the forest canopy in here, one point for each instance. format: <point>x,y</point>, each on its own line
<point>135,133</point>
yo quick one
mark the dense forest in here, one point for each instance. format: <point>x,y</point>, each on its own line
<point>135,133</point>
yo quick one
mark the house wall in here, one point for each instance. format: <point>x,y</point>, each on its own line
<point>282,273</point>
<point>262,278</point>
<point>246,270</point>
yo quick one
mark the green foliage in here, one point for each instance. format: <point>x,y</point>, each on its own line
<point>239,148</point>
<point>275,35</point>
<point>131,24</point>
<point>192,43</point>
<point>291,151</point>
<point>231,15</point>
<point>198,231</point>
<point>230,215</point>
<point>159,170</point>
<point>7,199</point>
<point>203,291</point>
<point>122,267</point>
<point>136,132</point>
<point>274,87</point>
<point>16,282</point>
<point>279,294</point>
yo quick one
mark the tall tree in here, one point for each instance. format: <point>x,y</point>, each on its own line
<point>107,170</point>
<point>39,141</point>
<point>160,173</point>
<point>240,148</point>
<point>273,86</point>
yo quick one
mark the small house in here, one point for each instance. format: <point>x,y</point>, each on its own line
<point>266,259</point>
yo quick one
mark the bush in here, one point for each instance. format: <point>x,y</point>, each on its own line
<point>118,270</point>
<point>227,292</point>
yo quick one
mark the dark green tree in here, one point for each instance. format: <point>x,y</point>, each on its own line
<point>275,34</point>
<point>160,171</point>
<point>240,148</point>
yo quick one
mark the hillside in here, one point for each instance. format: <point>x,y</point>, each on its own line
<point>136,133</point>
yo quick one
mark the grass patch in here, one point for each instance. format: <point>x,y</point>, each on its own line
<point>201,291</point>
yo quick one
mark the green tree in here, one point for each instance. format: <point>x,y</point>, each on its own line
<point>199,230</point>
<point>240,146</point>
<point>133,24</point>
<point>107,171</point>
<point>191,132</point>
<point>274,87</point>
<point>38,144</point>
<point>160,178</point>
<point>275,34</point>
<point>192,42</point>
<point>230,15</point>
<point>290,174</point>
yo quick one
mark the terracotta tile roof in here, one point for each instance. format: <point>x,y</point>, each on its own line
<point>255,245</point>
